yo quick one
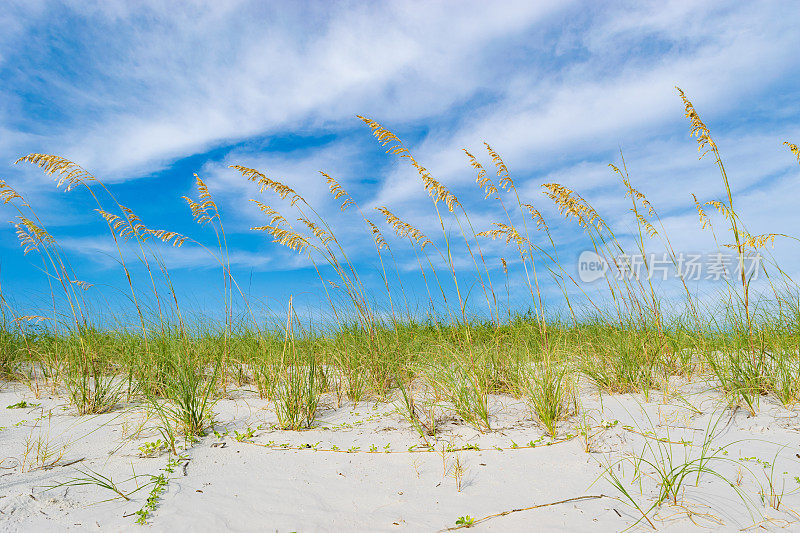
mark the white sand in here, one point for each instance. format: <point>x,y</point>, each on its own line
<point>238,486</point>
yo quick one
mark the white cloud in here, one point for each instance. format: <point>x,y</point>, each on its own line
<point>593,106</point>
<point>168,83</point>
<point>102,250</point>
<point>555,88</point>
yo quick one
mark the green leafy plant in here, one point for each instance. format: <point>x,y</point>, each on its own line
<point>159,484</point>
<point>465,521</point>
<point>150,449</point>
<point>22,405</point>
<point>245,436</point>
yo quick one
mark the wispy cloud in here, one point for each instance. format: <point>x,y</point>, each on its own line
<point>160,90</point>
<point>103,250</point>
<point>161,83</point>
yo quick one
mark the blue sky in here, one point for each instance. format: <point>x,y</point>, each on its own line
<point>144,94</point>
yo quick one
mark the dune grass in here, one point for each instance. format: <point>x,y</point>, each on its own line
<point>444,356</point>
<point>626,343</point>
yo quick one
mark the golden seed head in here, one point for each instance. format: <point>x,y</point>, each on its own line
<point>509,233</point>
<point>205,210</point>
<point>704,220</point>
<point>337,191</point>
<point>284,191</point>
<point>794,149</point>
<point>168,237</point>
<point>502,169</point>
<point>68,173</point>
<point>377,236</point>
<point>758,241</point>
<point>7,194</point>
<point>30,234</point>
<point>288,238</point>
<point>275,218</point>
<point>699,128</point>
<point>633,193</point>
<point>82,284</point>
<point>649,229</point>
<point>31,318</point>
<point>318,232</point>
<point>404,229</point>
<point>722,208</point>
<point>385,137</point>
<point>537,216</point>
<point>125,226</point>
<point>570,203</point>
<point>483,181</point>
<point>436,190</point>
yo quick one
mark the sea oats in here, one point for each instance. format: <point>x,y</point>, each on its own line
<point>275,218</point>
<point>630,191</point>
<point>758,241</point>
<point>284,191</point>
<point>637,195</point>
<point>318,232</point>
<point>134,222</point>
<point>502,169</point>
<point>131,224</point>
<point>483,181</point>
<point>404,229</point>
<point>30,234</point>
<point>82,284</point>
<point>509,233</point>
<point>27,240</point>
<point>437,191</point>
<point>385,137</point>
<point>204,210</point>
<point>32,318</point>
<point>288,238</point>
<point>649,229</point>
<point>68,173</point>
<point>794,149</point>
<point>699,128</point>
<point>115,221</point>
<point>537,216</point>
<point>704,220</point>
<point>337,191</point>
<point>377,236</point>
<point>7,194</point>
<point>168,237</point>
<point>570,203</point>
<point>125,226</point>
<point>722,208</point>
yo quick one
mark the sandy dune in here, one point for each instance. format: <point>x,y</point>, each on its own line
<point>364,469</point>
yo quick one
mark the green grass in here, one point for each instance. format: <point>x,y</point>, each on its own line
<point>374,346</point>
